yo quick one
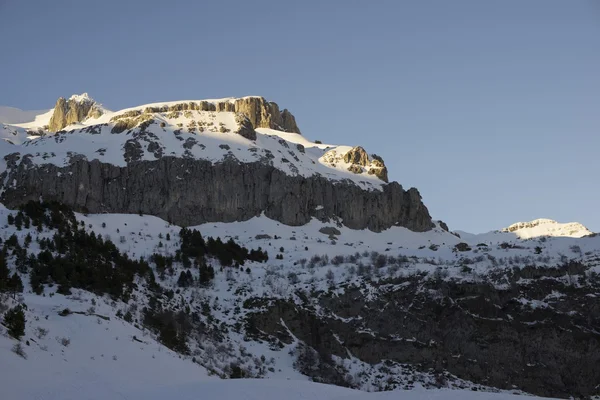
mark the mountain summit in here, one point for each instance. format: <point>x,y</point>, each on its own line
<point>77,108</point>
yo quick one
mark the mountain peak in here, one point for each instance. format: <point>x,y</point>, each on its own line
<point>80,98</point>
<point>77,108</point>
<point>547,227</point>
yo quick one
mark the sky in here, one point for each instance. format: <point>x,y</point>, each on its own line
<point>490,109</point>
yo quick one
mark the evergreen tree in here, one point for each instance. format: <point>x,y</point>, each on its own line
<point>14,320</point>
<point>4,274</point>
<point>15,284</point>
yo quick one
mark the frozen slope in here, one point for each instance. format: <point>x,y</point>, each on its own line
<point>86,356</point>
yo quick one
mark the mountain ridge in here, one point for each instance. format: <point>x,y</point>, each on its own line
<point>243,134</point>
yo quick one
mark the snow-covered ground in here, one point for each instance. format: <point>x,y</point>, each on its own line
<point>97,356</point>
<point>103,360</point>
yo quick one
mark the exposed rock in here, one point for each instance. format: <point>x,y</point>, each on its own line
<point>330,230</point>
<point>245,127</point>
<point>288,122</point>
<point>191,192</point>
<point>357,169</point>
<point>357,156</point>
<point>260,112</point>
<point>59,116</point>
<point>443,225</point>
<point>381,173</point>
<point>486,332</point>
<point>76,109</point>
<point>123,125</point>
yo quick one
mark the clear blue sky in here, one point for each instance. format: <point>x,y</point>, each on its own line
<point>490,108</point>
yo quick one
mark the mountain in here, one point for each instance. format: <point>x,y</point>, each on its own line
<point>212,160</point>
<point>156,250</point>
<point>547,227</point>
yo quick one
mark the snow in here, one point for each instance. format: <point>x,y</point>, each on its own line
<point>547,227</point>
<point>103,361</point>
<point>87,357</point>
<point>11,115</point>
<point>79,98</point>
<point>528,230</point>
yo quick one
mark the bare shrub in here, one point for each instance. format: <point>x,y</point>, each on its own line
<point>40,332</point>
<point>18,350</point>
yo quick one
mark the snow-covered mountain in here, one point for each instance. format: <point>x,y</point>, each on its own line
<point>547,227</point>
<point>218,129</point>
<point>234,157</point>
<point>322,270</point>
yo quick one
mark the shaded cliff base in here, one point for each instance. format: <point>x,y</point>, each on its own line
<point>191,192</point>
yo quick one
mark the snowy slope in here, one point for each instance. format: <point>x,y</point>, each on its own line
<point>87,369</point>
<point>86,356</point>
<point>547,227</point>
<point>520,231</point>
<point>11,115</point>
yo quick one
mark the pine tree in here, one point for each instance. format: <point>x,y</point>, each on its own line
<point>4,274</point>
<point>14,320</point>
<point>15,284</point>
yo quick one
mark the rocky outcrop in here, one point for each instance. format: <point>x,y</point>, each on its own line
<point>260,112</point>
<point>488,331</point>
<point>76,109</point>
<point>191,192</point>
<point>359,162</point>
<point>245,127</point>
<point>357,156</point>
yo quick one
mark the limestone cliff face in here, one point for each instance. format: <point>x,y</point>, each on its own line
<point>260,112</point>
<point>76,109</point>
<point>191,192</point>
<point>359,162</point>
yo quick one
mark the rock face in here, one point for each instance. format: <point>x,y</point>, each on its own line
<point>479,331</point>
<point>76,109</point>
<point>264,114</point>
<point>260,112</point>
<point>359,162</point>
<point>191,192</point>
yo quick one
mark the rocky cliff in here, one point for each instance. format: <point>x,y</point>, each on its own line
<point>192,162</point>
<point>191,192</point>
<point>260,112</point>
<point>491,331</point>
<point>75,109</point>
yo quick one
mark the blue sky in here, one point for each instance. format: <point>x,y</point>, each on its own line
<point>490,109</point>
